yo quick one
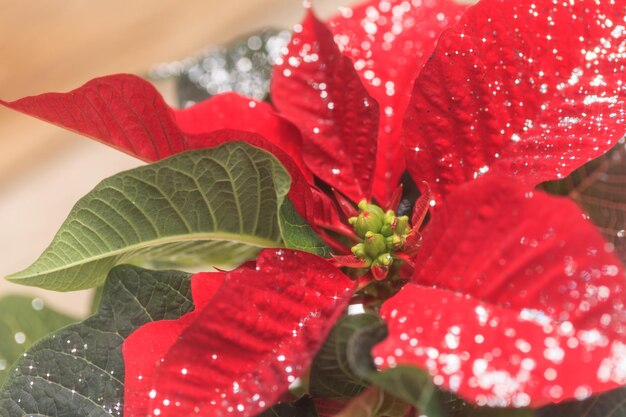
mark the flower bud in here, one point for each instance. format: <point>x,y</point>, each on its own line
<point>390,217</point>
<point>374,244</point>
<point>387,230</point>
<point>402,225</point>
<point>372,208</point>
<point>369,219</point>
<point>358,250</point>
<point>385,259</point>
<point>395,242</point>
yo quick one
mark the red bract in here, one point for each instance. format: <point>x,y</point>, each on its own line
<point>389,42</point>
<point>247,341</point>
<point>319,90</point>
<point>526,88</point>
<point>517,300</point>
<point>350,110</point>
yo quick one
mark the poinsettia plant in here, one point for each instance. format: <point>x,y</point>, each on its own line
<point>379,243</point>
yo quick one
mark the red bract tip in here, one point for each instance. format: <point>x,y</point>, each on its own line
<point>345,205</point>
<point>412,242</point>
<point>349,261</point>
<point>395,198</point>
<point>422,204</point>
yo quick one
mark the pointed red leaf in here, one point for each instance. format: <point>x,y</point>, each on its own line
<point>232,111</point>
<point>121,110</point>
<point>421,207</point>
<point>346,206</point>
<point>520,87</point>
<point>389,42</point>
<point>516,300</point>
<point>350,261</point>
<point>323,213</point>
<point>257,334</point>
<point>317,89</point>
<point>395,198</point>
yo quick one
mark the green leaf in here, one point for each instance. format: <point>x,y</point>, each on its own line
<point>599,188</point>
<point>304,407</point>
<point>297,234</point>
<point>609,404</point>
<point>457,407</point>
<point>374,402</point>
<point>79,370</point>
<point>412,385</point>
<point>331,374</point>
<point>214,207</point>
<point>23,321</point>
<point>406,383</point>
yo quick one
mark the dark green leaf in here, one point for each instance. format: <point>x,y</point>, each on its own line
<point>456,407</point>
<point>23,321</point>
<point>245,66</point>
<point>406,383</point>
<point>297,234</point>
<point>304,407</point>
<point>79,370</point>
<point>374,402</point>
<point>599,188</point>
<point>331,374</point>
<point>610,404</point>
<point>412,385</point>
<point>214,206</point>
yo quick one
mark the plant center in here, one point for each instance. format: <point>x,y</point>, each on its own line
<point>382,233</point>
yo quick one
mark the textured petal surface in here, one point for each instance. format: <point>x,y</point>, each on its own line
<point>526,88</point>
<point>256,335</point>
<point>516,300</point>
<point>122,111</point>
<point>232,111</point>
<point>389,41</point>
<point>318,89</point>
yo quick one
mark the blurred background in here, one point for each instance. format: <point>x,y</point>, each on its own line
<point>56,46</point>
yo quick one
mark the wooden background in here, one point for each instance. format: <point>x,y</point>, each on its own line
<point>52,45</point>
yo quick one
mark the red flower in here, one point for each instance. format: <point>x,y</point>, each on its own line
<point>514,299</point>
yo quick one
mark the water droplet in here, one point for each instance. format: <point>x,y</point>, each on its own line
<point>37,304</point>
<point>20,338</point>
